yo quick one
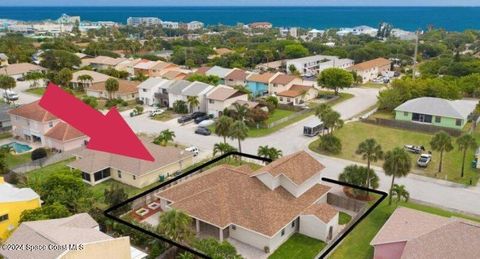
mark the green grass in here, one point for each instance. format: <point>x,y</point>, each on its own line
<point>97,190</point>
<point>255,133</point>
<point>344,218</point>
<point>5,135</point>
<point>373,85</point>
<point>354,133</point>
<point>165,116</point>
<point>36,91</point>
<point>298,246</point>
<point>14,160</point>
<point>357,243</point>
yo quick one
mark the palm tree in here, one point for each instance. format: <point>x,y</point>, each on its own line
<point>7,82</point>
<point>223,126</point>
<point>400,192</point>
<point>84,79</point>
<point>370,151</point>
<point>164,137</point>
<point>397,164</point>
<point>441,142</point>
<point>111,85</point>
<point>176,225</point>
<point>240,111</point>
<point>222,148</point>
<point>34,76</point>
<point>239,131</point>
<point>465,143</point>
<point>193,102</point>
<point>331,120</point>
<point>269,152</point>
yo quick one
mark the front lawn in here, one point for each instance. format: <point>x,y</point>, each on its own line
<point>5,135</point>
<point>344,218</point>
<point>298,246</point>
<point>14,160</point>
<point>36,91</point>
<point>164,116</point>
<point>357,243</point>
<point>354,133</point>
<point>275,116</point>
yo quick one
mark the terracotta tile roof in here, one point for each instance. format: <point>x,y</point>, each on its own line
<point>163,65</point>
<point>405,224</point>
<point>322,211</point>
<point>173,74</point>
<point>222,93</point>
<point>237,75</point>
<point>239,199</point>
<point>456,239</point>
<point>33,111</point>
<point>298,167</point>
<point>109,61</point>
<point>295,90</point>
<point>124,87</point>
<point>261,78</point>
<point>92,161</point>
<point>283,79</point>
<point>20,68</point>
<point>202,70</point>
<point>378,62</point>
<point>64,132</point>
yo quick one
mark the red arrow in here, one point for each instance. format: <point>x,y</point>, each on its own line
<point>108,133</point>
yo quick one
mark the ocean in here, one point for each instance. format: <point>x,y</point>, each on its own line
<point>408,18</point>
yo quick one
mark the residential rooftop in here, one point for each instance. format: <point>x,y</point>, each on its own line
<point>458,109</point>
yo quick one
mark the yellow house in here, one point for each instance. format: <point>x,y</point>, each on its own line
<point>13,201</point>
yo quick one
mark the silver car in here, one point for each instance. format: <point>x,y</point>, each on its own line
<point>424,160</point>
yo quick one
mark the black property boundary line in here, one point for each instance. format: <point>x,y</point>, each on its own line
<point>108,212</point>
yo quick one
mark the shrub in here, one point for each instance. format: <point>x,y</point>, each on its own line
<point>38,153</point>
<point>115,102</point>
<point>180,107</point>
<point>330,144</point>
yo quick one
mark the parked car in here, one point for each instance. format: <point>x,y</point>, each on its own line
<point>185,118</point>
<point>201,118</point>
<point>21,79</point>
<point>156,112</point>
<point>424,160</point>
<point>414,149</point>
<point>10,96</point>
<point>197,114</point>
<point>206,123</point>
<point>203,131</point>
<point>193,149</point>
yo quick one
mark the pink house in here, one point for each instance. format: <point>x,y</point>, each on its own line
<point>410,233</point>
<point>32,123</point>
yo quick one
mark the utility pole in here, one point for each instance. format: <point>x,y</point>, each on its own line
<point>414,69</point>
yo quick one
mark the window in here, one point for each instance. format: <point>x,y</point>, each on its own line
<point>144,90</point>
<point>211,101</point>
<point>438,119</point>
<point>283,232</point>
<point>134,177</point>
<point>86,176</point>
<point>4,217</point>
<point>101,174</point>
<point>458,122</point>
<point>50,124</point>
<point>234,227</point>
<point>119,173</point>
<point>293,224</point>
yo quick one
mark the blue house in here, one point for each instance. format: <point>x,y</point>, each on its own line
<point>258,83</point>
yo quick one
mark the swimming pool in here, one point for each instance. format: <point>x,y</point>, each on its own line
<point>18,147</point>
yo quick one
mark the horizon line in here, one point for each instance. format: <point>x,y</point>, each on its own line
<point>240,6</point>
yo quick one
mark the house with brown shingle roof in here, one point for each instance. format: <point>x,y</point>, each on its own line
<point>32,123</point>
<point>127,90</point>
<point>20,69</point>
<point>98,166</point>
<point>222,97</point>
<point>77,236</point>
<point>236,78</point>
<point>411,233</point>
<point>261,208</point>
<point>371,69</point>
<point>282,83</point>
<point>258,83</point>
<point>297,94</point>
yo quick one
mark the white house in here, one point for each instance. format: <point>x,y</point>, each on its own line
<point>314,65</point>
<point>261,208</point>
<point>222,97</point>
<point>175,92</point>
<point>198,90</point>
<point>148,88</point>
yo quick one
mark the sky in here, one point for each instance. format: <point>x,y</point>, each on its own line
<point>240,3</point>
